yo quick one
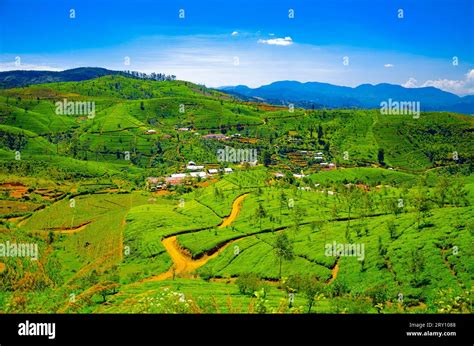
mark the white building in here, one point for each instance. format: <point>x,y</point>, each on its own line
<point>192,166</point>
<point>198,174</point>
<point>178,175</point>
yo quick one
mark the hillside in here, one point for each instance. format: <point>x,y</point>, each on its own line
<point>125,108</point>
<point>20,78</point>
<point>123,225</point>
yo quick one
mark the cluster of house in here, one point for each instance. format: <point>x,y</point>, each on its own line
<point>221,137</point>
<point>319,157</point>
<point>296,175</point>
<point>215,136</point>
<point>193,171</point>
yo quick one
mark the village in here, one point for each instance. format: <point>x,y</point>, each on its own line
<point>192,172</point>
<point>296,161</point>
<point>241,159</point>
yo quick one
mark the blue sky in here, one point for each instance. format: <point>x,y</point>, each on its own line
<point>250,42</point>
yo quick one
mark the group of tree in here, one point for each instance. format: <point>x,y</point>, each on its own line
<point>152,76</point>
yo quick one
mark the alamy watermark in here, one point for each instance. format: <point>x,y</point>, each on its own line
<point>229,154</point>
<point>335,249</point>
<point>8,249</point>
<point>66,107</point>
<point>392,107</point>
<point>37,329</point>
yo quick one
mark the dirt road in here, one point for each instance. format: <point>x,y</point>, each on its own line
<point>183,264</point>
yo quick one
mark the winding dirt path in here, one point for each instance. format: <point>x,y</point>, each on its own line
<point>236,206</point>
<point>334,272</point>
<point>183,263</point>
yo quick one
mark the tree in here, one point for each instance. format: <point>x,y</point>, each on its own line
<point>106,288</point>
<point>381,156</point>
<point>50,237</point>
<point>267,158</point>
<point>421,203</point>
<point>394,207</point>
<point>382,249</point>
<point>260,213</point>
<point>248,283</point>
<point>312,289</point>
<point>283,249</point>
<point>298,214</point>
<point>441,190</point>
<point>392,229</point>
<point>350,196</point>
<point>417,267</point>
<point>363,267</point>
<point>320,132</point>
<point>458,194</point>
<point>283,201</point>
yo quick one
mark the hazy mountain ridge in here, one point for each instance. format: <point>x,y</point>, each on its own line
<point>306,95</point>
<point>324,95</point>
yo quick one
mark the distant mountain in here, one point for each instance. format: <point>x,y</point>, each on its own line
<point>307,95</point>
<point>20,78</point>
<point>12,79</point>
<point>324,95</point>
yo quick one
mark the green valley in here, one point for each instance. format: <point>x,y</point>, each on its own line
<point>133,211</point>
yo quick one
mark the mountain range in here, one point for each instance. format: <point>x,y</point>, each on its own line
<point>324,95</point>
<point>307,95</point>
<point>21,78</point>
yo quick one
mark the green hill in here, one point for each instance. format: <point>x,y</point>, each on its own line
<point>73,180</point>
<point>126,107</point>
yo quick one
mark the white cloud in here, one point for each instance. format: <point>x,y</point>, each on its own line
<point>470,75</point>
<point>410,83</point>
<point>454,86</point>
<point>388,65</point>
<point>287,41</point>
<point>235,33</point>
<point>459,87</point>
<point>10,66</point>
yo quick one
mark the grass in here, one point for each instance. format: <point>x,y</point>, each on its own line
<point>115,230</point>
<point>364,175</point>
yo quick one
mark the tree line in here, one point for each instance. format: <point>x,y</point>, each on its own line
<point>152,76</point>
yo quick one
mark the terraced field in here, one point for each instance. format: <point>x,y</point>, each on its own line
<point>241,240</point>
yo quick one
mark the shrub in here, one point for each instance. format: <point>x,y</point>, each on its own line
<point>339,288</point>
<point>378,294</point>
<point>206,274</point>
<point>248,283</point>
